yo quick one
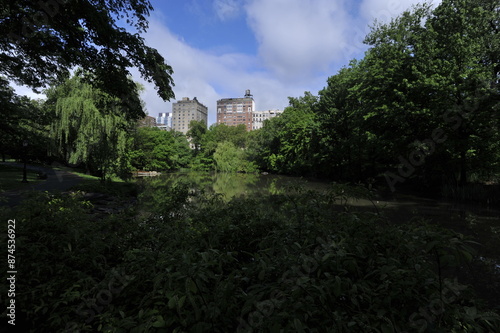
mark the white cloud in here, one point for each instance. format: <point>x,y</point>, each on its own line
<point>210,77</point>
<point>301,43</point>
<point>226,9</point>
<point>385,10</point>
<point>298,38</point>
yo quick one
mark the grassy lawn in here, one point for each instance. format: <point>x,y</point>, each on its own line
<point>10,178</point>
<point>116,188</point>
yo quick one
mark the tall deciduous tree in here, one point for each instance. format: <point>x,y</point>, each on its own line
<point>23,119</point>
<point>90,126</point>
<point>466,37</point>
<point>40,41</point>
<point>344,147</point>
<point>290,138</point>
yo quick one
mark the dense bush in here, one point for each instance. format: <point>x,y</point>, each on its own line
<point>193,263</point>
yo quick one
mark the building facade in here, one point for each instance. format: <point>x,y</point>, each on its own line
<point>236,111</point>
<point>260,116</point>
<point>147,121</point>
<point>164,121</point>
<point>186,110</point>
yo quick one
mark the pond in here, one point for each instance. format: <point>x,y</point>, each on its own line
<point>469,219</point>
<point>230,185</point>
<point>480,223</point>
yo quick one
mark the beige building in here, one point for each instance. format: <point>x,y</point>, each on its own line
<point>260,116</point>
<point>186,110</point>
<point>236,111</point>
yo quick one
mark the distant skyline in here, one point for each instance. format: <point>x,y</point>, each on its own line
<point>275,48</point>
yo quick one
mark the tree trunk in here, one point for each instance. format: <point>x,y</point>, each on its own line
<point>463,168</point>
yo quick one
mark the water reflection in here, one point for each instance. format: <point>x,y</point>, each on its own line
<point>482,223</point>
<point>230,185</point>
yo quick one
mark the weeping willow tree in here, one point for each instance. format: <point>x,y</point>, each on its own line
<point>90,129</point>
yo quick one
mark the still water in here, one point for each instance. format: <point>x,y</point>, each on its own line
<point>479,222</point>
<point>230,185</point>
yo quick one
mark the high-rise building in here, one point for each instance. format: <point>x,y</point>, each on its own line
<point>260,116</point>
<point>236,111</point>
<point>164,121</point>
<point>186,110</point>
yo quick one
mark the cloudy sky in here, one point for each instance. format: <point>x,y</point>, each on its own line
<point>275,48</point>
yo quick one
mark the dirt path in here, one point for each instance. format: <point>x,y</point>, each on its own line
<point>57,180</point>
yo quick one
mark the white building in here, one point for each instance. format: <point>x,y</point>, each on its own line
<point>258,117</point>
<point>164,120</point>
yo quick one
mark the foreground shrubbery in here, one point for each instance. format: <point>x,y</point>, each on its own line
<point>193,263</point>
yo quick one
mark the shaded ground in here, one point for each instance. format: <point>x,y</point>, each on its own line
<point>57,180</point>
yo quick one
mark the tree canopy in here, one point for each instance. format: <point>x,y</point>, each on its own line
<point>89,127</point>
<point>421,106</point>
<point>154,149</point>
<point>42,40</point>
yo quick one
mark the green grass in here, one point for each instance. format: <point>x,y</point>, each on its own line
<point>11,177</point>
<point>82,173</point>
<point>114,186</point>
<point>94,184</point>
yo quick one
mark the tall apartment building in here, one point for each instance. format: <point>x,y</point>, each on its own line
<point>184,111</point>
<point>236,111</point>
<point>164,120</point>
<point>260,116</point>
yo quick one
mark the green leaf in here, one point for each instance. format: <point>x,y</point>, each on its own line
<point>337,286</point>
<point>160,322</point>
<point>471,312</point>
<point>298,325</point>
<point>172,303</point>
<point>181,302</point>
<point>192,286</point>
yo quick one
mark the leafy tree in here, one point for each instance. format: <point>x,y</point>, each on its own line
<point>154,149</point>
<point>229,158</point>
<point>216,134</point>
<point>42,40</point>
<point>436,71</point>
<point>197,128</point>
<point>290,145</point>
<point>23,119</point>
<point>467,37</point>
<point>345,151</point>
<point>90,127</point>
<point>13,108</point>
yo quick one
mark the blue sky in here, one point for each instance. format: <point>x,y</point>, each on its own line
<point>275,48</point>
